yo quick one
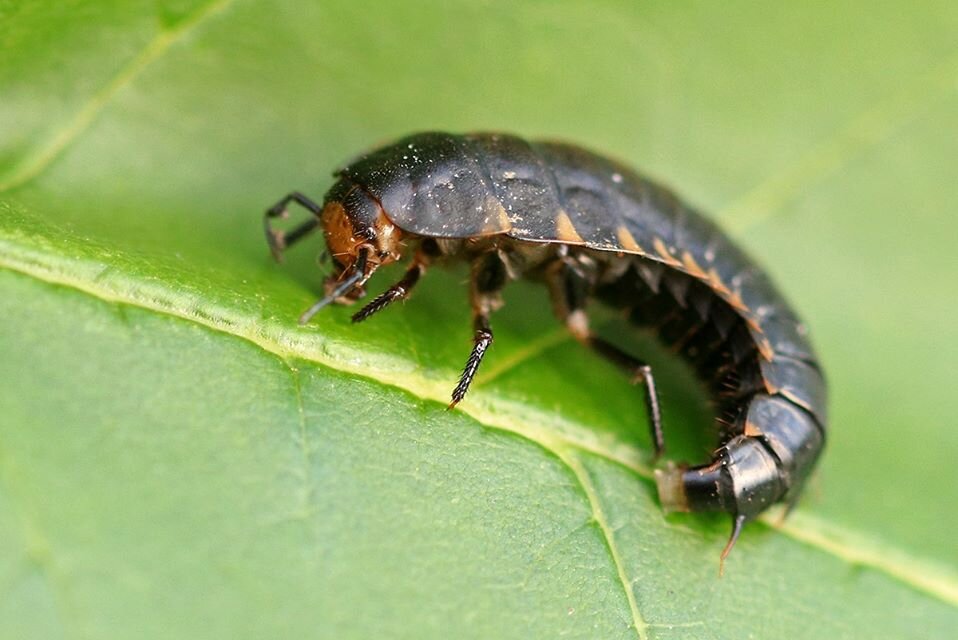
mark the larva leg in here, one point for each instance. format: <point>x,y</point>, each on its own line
<point>278,239</point>
<point>568,289</point>
<point>640,372</point>
<point>489,276</point>
<point>398,291</point>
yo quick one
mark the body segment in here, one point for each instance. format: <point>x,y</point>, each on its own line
<point>593,229</point>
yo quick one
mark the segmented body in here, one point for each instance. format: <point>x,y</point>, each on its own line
<point>640,248</point>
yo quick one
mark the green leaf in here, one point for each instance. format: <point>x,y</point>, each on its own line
<point>179,459</point>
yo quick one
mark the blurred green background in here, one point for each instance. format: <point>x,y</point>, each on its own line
<point>179,459</point>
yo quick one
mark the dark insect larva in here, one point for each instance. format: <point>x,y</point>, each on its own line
<point>590,228</point>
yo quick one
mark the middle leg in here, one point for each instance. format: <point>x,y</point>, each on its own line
<point>489,276</point>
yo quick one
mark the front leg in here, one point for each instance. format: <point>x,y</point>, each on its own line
<point>398,291</point>
<point>278,239</point>
<point>489,276</point>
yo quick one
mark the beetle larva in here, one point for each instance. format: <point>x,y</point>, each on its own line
<point>590,228</point>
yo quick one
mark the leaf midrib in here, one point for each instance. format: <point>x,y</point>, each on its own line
<point>548,430</point>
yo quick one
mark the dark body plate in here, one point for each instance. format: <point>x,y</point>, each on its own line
<point>451,186</point>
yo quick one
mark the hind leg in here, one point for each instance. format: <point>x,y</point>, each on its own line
<point>569,290</point>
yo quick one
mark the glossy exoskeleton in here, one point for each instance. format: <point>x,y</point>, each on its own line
<point>590,228</point>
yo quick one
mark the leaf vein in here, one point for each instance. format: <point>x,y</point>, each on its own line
<point>38,555</point>
<point>305,450</point>
<point>523,354</point>
<point>36,162</point>
<point>572,461</point>
<point>868,129</point>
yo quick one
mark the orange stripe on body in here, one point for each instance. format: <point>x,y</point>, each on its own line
<point>627,240</point>
<point>663,252</point>
<point>565,230</point>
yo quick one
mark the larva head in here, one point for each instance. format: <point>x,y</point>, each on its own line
<point>354,224</point>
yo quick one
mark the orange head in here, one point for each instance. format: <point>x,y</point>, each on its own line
<point>360,238</point>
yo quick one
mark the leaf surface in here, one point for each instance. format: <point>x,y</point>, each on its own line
<point>179,459</point>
